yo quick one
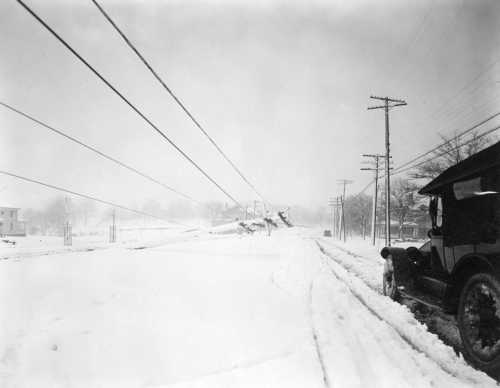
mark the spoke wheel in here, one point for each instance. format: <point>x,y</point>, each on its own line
<point>479,321</point>
<point>389,281</point>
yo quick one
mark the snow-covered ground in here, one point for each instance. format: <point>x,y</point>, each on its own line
<point>363,260</point>
<point>32,246</point>
<point>213,311</point>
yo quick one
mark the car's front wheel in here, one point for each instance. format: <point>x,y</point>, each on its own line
<point>479,322</point>
<point>389,281</point>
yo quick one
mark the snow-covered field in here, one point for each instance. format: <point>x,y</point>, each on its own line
<point>45,245</point>
<point>213,311</point>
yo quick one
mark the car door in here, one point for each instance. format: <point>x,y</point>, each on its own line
<point>439,255</point>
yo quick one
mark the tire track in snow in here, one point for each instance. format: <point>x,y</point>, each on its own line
<point>326,381</point>
<point>237,366</point>
<point>454,372</point>
<point>347,268</point>
<point>437,322</point>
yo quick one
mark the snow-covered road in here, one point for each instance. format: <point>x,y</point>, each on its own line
<point>238,311</point>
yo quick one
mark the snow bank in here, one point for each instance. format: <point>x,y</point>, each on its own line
<point>403,324</point>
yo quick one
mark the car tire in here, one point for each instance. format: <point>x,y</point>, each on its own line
<point>479,322</point>
<point>389,285</point>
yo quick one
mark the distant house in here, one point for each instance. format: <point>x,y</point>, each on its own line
<point>9,222</point>
<point>409,230</point>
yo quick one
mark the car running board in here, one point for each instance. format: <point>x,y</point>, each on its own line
<point>425,299</point>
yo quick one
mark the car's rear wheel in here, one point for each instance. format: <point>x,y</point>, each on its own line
<point>479,322</point>
<point>390,288</point>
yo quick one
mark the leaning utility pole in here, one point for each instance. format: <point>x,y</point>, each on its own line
<point>375,169</point>
<point>388,103</point>
<point>344,183</point>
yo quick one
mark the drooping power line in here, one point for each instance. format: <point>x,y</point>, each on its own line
<point>61,133</point>
<point>86,196</point>
<point>177,100</point>
<point>124,99</point>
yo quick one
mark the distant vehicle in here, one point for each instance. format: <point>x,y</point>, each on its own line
<point>458,269</point>
<point>327,233</point>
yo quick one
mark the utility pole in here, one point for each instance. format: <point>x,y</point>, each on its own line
<point>388,104</point>
<point>331,204</point>
<point>334,204</point>
<point>112,229</point>
<point>344,183</point>
<point>68,236</point>
<point>375,169</point>
<point>338,220</point>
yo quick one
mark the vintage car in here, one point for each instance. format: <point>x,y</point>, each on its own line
<point>458,269</point>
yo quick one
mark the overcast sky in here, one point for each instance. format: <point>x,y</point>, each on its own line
<point>282,86</point>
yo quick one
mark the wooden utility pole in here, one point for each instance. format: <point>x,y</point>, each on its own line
<point>331,204</point>
<point>344,183</point>
<point>388,103</point>
<point>339,218</point>
<point>112,228</point>
<point>334,203</point>
<point>375,169</point>
<point>68,235</point>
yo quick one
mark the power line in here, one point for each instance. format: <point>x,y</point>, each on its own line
<point>87,197</point>
<point>177,100</point>
<point>447,151</point>
<point>440,110</point>
<point>430,159</point>
<point>474,94</point>
<point>363,190</point>
<point>446,142</point>
<point>61,133</point>
<point>467,85</point>
<point>402,168</point>
<point>475,109</point>
<point>444,34</point>
<point>142,115</point>
<point>417,34</point>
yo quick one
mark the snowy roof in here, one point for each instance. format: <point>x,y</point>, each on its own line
<point>9,207</point>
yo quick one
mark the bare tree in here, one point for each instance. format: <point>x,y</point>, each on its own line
<point>454,150</point>
<point>357,212</point>
<point>403,193</point>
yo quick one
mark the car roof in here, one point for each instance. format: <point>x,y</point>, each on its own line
<point>468,168</point>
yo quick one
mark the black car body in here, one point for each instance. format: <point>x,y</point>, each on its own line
<point>458,269</point>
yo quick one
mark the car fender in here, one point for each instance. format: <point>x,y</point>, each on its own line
<point>476,262</point>
<point>398,261</point>
<point>466,266</point>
